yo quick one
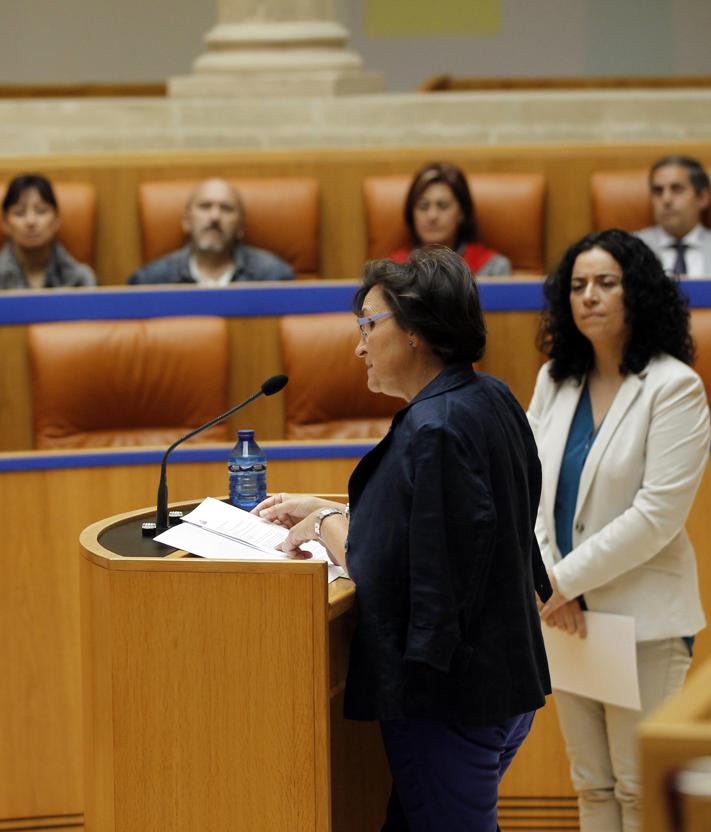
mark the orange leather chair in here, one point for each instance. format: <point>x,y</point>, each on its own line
<point>77,211</point>
<point>121,383</point>
<point>327,396</point>
<point>510,214</point>
<point>281,215</point>
<point>620,199</point>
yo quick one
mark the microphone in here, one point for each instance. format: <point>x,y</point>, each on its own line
<point>269,388</point>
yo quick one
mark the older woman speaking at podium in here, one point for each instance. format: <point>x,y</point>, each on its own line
<point>447,654</point>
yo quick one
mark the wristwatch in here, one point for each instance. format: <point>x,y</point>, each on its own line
<point>321,516</point>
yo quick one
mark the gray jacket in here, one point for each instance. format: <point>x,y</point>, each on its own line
<point>62,270</point>
<point>250,264</point>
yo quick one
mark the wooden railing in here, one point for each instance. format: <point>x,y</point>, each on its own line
<point>451,83</point>
<point>670,739</point>
<point>85,90</point>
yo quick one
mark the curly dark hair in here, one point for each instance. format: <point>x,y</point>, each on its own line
<point>435,295</point>
<point>455,179</point>
<point>656,311</point>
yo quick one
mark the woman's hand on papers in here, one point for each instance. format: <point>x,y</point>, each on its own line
<point>334,530</point>
<point>559,612</point>
<point>289,509</point>
<point>556,600</point>
<point>569,617</point>
<point>301,532</point>
<point>297,512</point>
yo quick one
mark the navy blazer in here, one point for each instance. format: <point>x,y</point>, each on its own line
<point>442,549</point>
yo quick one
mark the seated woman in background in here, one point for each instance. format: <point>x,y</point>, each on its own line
<point>622,427</point>
<point>439,210</point>
<point>32,258</point>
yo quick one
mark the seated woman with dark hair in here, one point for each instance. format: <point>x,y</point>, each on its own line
<point>447,654</point>
<point>32,258</point>
<point>439,209</point>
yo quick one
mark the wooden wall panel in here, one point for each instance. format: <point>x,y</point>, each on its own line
<point>511,354</point>
<point>340,173</point>
<point>699,528</point>
<point>16,431</point>
<point>254,357</point>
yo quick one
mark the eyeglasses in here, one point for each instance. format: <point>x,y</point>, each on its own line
<point>370,319</point>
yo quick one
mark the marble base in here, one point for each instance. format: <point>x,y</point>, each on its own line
<point>265,85</point>
<point>271,58</point>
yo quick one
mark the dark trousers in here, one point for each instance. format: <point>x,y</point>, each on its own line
<point>446,777</point>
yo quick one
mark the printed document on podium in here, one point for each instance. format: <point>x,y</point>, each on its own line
<point>218,530</point>
<point>602,666</point>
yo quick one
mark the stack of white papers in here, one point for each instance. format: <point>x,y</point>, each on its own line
<point>602,666</point>
<point>220,531</point>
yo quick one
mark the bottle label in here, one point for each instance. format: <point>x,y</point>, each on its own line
<point>247,486</point>
<point>247,474</point>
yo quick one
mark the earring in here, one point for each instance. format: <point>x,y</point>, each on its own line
<point>412,343</point>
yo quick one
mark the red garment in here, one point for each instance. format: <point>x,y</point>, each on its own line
<point>475,254</point>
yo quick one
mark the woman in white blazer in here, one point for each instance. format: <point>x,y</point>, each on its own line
<point>622,427</point>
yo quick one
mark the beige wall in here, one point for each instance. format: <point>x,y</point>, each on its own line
<point>547,38</point>
<point>76,41</point>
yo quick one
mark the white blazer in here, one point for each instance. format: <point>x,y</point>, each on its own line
<point>631,554</point>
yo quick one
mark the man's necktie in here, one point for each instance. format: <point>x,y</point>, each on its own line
<point>679,267</point>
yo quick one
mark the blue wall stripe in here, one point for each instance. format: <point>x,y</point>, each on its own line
<point>249,301</point>
<point>38,461</point>
<point>126,303</point>
<point>526,296</point>
<point>698,292</point>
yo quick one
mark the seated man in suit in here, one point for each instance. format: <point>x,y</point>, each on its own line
<point>679,188</point>
<point>215,254</point>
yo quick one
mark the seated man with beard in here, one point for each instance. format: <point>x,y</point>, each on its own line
<point>215,254</point>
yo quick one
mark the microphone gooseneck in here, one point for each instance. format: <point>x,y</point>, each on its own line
<point>271,385</point>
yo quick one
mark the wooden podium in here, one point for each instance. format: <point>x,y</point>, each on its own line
<point>213,694</point>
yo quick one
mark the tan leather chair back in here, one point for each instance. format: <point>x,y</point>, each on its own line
<point>77,212</point>
<point>327,396</point>
<point>281,215</point>
<point>620,199</point>
<point>701,330</point>
<point>121,383</point>
<point>510,214</point>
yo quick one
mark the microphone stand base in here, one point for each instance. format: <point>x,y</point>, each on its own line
<point>129,540</point>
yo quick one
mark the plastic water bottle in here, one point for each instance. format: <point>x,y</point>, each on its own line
<point>247,467</point>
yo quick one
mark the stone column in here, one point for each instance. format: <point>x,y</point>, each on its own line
<point>276,48</point>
